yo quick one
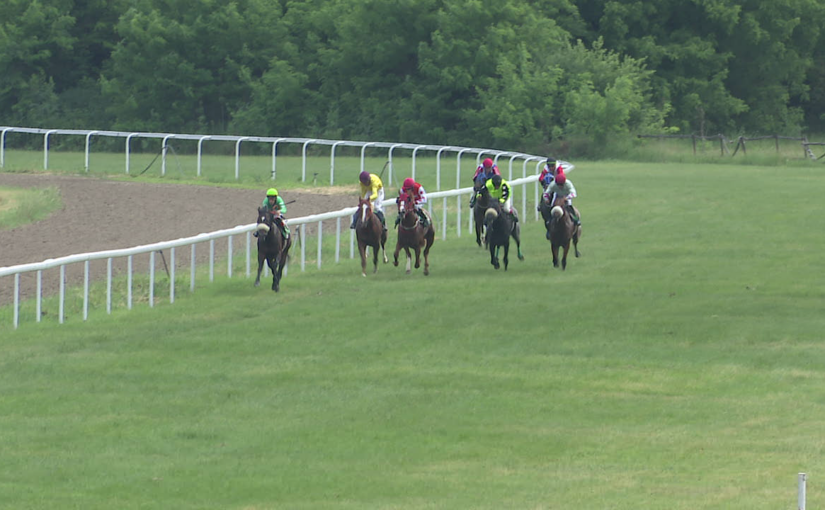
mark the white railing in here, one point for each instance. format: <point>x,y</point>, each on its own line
<point>441,217</point>
<point>305,143</point>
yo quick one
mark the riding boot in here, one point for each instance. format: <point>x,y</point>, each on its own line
<point>573,215</point>
<point>472,200</point>
<point>354,220</point>
<point>255,234</point>
<point>383,221</point>
<point>423,218</point>
<point>514,217</point>
<point>398,219</point>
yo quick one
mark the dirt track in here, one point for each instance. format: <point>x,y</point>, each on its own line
<point>105,214</point>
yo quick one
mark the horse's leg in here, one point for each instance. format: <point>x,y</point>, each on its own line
<point>506,254</point>
<point>430,237</point>
<point>362,250</point>
<point>417,250</point>
<point>276,276</point>
<point>493,255</point>
<point>397,251</point>
<point>555,249</point>
<point>260,268</point>
<point>383,242</point>
<point>478,233</point>
<point>375,250</point>
<point>409,259</point>
<point>283,258</point>
<point>517,237</point>
<point>564,257</point>
<point>576,241</point>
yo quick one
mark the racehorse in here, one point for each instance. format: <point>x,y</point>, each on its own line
<point>500,227</point>
<point>413,235</point>
<point>272,247</point>
<point>370,232</point>
<point>561,229</point>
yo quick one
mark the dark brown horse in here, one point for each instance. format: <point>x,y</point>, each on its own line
<point>561,229</point>
<point>500,227</point>
<point>412,234</point>
<point>370,233</point>
<point>272,247</point>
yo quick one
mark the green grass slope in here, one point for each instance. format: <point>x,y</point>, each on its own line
<point>678,364</point>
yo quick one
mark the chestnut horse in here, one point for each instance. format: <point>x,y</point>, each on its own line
<point>413,235</point>
<point>370,233</point>
<point>561,229</point>
<point>272,247</point>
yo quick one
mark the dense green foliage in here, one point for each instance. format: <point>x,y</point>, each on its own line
<point>678,364</point>
<point>516,74</point>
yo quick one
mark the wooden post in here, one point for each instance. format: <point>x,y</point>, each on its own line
<point>744,150</point>
<point>722,144</point>
<point>693,137</point>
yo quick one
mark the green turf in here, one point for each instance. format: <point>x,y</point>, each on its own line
<point>22,206</point>
<point>678,364</point>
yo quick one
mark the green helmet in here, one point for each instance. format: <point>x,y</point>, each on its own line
<point>272,192</point>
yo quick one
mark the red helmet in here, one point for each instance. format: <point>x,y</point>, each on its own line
<point>487,163</point>
<point>364,177</point>
<point>409,183</point>
<point>560,178</point>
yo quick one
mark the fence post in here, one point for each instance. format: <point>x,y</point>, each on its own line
<point>802,479</point>
<point>693,138</point>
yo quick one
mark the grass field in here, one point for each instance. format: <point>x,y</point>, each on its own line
<point>22,206</point>
<point>678,364</point>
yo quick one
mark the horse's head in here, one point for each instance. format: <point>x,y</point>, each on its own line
<point>264,220</point>
<point>406,203</point>
<point>557,208</point>
<point>483,199</point>
<point>364,210</point>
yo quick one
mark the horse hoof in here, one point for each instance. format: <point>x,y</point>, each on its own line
<point>364,275</point>
<point>521,257</point>
<point>426,272</point>
<point>257,284</point>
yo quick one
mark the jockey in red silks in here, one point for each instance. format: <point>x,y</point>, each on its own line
<point>417,194</point>
<point>551,168</point>
<point>486,170</point>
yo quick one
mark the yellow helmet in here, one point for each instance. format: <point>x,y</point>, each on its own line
<point>272,192</point>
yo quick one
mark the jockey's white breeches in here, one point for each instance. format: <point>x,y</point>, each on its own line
<point>507,206</point>
<point>378,203</point>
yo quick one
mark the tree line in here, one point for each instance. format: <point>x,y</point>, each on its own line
<point>525,75</point>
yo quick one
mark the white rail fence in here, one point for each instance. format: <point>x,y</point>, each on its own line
<point>304,143</point>
<point>441,214</point>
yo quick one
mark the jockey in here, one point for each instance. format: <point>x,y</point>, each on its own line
<point>371,187</point>
<point>275,204</point>
<point>499,189</point>
<point>562,186</point>
<point>551,168</point>
<point>484,172</point>
<point>416,193</point>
